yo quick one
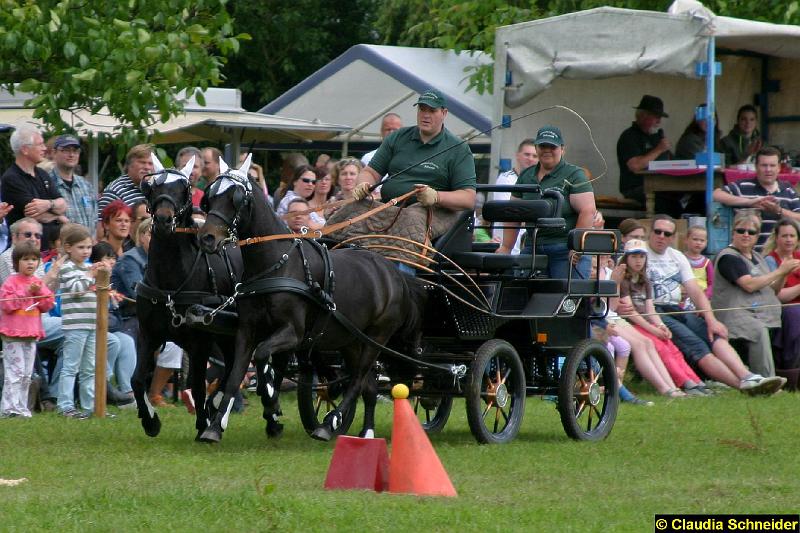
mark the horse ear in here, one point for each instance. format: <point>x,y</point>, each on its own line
<point>245,168</point>
<point>188,167</point>
<point>223,166</point>
<point>157,166</point>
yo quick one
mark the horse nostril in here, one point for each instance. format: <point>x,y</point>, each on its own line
<point>207,239</point>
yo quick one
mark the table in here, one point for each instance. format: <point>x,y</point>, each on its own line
<point>690,180</point>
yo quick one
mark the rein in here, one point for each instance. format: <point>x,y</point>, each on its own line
<point>328,229</point>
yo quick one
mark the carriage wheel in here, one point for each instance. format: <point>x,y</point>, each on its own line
<point>587,392</point>
<point>318,395</point>
<point>433,411</point>
<point>495,393</point>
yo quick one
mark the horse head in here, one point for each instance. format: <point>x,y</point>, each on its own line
<point>228,200</point>
<point>169,194</point>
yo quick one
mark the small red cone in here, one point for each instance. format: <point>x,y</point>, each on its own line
<point>414,467</point>
<point>358,464</point>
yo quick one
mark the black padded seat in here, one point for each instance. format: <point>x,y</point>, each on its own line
<point>579,286</point>
<point>488,261</point>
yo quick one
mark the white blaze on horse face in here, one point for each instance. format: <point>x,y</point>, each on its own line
<point>157,166</point>
<point>227,414</point>
<point>187,169</point>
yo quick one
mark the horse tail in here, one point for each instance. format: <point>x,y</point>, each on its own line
<point>416,298</point>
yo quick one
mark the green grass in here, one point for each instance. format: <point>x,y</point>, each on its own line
<point>728,454</point>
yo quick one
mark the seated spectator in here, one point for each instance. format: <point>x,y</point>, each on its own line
<point>744,141</point>
<point>744,282</point>
<point>631,229</point>
<point>700,336</point>
<point>297,216</point>
<point>637,291</point>
<point>140,214</point>
<point>302,186</point>
<point>773,199</point>
<point>116,227</point>
<point>525,157</point>
<point>782,246</point>
<point>693,139</point>
<point>696,240</point>
<point>345,176</point>
<point>323,192</point>
<point>290,163</point>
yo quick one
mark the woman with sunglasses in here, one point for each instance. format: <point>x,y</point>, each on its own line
<point>744,284</point>
<point>322,194</point>
<point>302,186</point>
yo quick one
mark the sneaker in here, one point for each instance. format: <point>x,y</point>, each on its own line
<point>158,401</point>
<point>757,384</point>
<point>695,391</point>
<point>639,401</point>
<point>9,415</point>
<point>716,385</point>
<point>130,403</point>
<point>75,413</point>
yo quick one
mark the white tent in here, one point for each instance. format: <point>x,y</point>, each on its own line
<point>627,53</point>
<point>368,81</point>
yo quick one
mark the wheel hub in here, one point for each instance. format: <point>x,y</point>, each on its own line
<point>501,395</point>
<point>594,394</point>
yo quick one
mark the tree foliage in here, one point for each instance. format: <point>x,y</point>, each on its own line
<point>471,24</point>
<point>129,56</point>
<point>291,40</point>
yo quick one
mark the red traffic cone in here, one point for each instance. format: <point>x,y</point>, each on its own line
<point>358,464</point>
<point>414,467</point>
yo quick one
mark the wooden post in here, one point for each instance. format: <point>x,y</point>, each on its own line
<point>103,280</point>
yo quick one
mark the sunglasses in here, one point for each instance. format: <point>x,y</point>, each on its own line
<point>663,232</point>
<point>308,180</point>
<point>29,234</point>
<point>742,231</point>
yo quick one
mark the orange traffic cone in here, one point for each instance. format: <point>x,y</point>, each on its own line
<point>358,464</point>
<point>414,466</point>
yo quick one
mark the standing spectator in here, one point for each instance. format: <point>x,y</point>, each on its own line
<point>116,227</point>
<point>211,157</point>
<point>772,198</point>
<point>24,297</point>
<point>702,268</point>
<point>79,194</point>
<point>29,189</point>
<point>745,289</point>
<point>744,140</point>
<point>783,246</point>
<point>553,172</point>
<point>525,158</point>
<point>391,122</point>
<point>322,161</point>
<point>78,309</point>
<point>640,144</point>
<point>138,164</point>
<point>181,160</point>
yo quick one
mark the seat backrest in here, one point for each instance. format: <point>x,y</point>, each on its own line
<point>514,210</point>
<point>459,237</point>
<point>594,241</point>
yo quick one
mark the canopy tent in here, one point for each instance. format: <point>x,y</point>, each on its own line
<point>222,119</point>
<point>368,81</point>
<point>628,53</point>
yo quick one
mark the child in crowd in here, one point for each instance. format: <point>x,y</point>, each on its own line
<point>23,297</point>
<point>635,289</point>
<point>78,311</point>
<point>702,267</point>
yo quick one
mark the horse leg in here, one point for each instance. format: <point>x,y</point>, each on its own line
<point>145,365</point>
<point>269,375</point>
<point>198,361</point>
<point>369,393</point>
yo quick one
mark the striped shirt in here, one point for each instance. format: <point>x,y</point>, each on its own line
<point>78,303</point>
<point>81,199</point>
<point>751,188</point>
<point>121,188</point>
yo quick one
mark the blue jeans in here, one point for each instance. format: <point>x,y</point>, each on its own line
<point>78,359</point>
<point>121,359</point>
<point>53,340</point>
<point>558,261</point>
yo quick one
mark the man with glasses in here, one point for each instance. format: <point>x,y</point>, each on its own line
<point>773,199</point>
<point>79,194</point>
<point>29,189</point>
<point>700,336</point>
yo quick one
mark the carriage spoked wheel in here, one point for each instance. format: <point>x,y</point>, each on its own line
<point>317,395</point>
<point>433,411</point>
<point>495,394</point>
<point>587,392</point>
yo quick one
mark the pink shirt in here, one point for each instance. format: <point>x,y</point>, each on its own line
<point>21,313</point>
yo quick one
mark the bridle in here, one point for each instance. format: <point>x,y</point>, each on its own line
<point>160,178</point>
<point>242,200</point>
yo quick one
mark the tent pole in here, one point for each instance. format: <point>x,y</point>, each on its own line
<point>710,125</point>
<point>236,146</point>
<point>94,160</point>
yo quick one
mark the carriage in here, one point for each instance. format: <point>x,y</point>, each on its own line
<point>496,331</point>
<point>493,329</point>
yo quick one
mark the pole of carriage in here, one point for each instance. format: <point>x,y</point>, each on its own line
<point>101,342</point>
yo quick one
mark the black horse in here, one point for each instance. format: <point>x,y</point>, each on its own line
<point>178,276</point>
<point>290,300</point>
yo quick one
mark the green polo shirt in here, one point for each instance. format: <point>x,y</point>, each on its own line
<point>565,178</point>
<point>444,163</point>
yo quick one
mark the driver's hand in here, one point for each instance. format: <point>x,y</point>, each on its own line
<point>361,191</point>
<point>426,196</point>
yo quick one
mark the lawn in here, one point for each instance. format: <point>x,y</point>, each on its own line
<point>726,454</point>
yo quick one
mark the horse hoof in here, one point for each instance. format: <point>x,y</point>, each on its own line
<point>151,426</point>
<point>210,435</point>
<point>274,430</point>
<point>321,433</point>
<point>367,434</point>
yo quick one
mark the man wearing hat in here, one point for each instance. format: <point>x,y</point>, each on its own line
<point>79,194</point>
<point>643,142</point>
<point>427,158</point>
<point>552,172</point>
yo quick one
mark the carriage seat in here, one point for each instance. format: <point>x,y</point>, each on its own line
<point>488,261</point>
<point>575,287</point>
